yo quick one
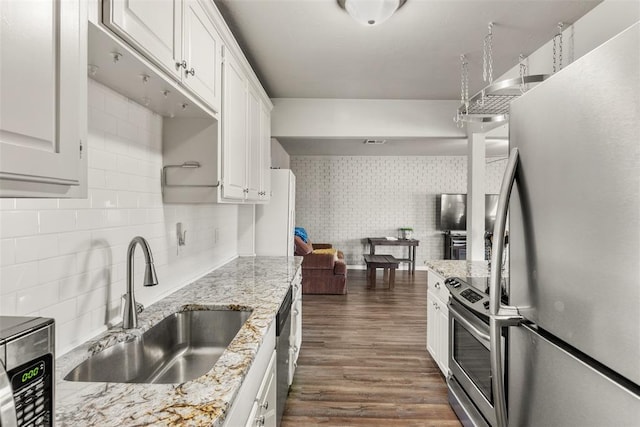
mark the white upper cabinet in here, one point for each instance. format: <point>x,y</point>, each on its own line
<point>152,27</point>
<point>254,140</point>
<point>177,35</point>
<point>202,53</point>
<point>43,98</point>
<point>265,153</point>
<point>234,130</point>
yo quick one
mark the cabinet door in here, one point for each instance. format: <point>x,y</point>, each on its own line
<point>42,98</point>
<point>253,145</point>
<point>202,53</point>
<point>432,326</point>
<point>234,129</point>
<point>153,27</point>
<point>265,153</point>
<point>443,336</point>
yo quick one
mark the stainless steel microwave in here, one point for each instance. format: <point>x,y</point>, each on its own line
<point>27,371</point>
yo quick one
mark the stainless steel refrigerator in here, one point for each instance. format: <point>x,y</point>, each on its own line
<point>572,326</point>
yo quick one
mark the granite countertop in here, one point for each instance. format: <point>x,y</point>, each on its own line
<point>258,284</point>
<point>458,268</point>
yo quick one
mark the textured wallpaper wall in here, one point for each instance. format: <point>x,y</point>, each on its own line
<point>343,199</point>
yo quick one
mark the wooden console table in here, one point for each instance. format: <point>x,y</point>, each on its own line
<point>411,243</point>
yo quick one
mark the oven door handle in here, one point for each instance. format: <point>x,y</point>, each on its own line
<point>501,316</point>
<point>478,333</point>
<point>7,405</point>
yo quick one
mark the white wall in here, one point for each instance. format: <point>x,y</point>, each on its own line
<point>66,259</point>
<point>280,159</point>
<point>343,199</point>
<point>363,118</point>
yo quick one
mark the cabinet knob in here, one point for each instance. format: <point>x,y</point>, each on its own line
<point>182,64</point>
<point>296,311</point>
<point>265,405</point>
<point>437,285</point>
<point>192,71</point>
<point>260,420</point>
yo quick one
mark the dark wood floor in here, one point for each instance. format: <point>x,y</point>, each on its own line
<point>363,360</point>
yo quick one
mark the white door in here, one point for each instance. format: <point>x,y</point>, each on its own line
<point>234,130</point>
<point>42,93</point>
<point>154,27</point>
<point>202,53</point>
<point>253,145</point>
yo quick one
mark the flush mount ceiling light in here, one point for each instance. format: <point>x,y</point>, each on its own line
<point>371,12</point>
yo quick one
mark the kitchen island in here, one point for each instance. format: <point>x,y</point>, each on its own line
<point>257,284</point>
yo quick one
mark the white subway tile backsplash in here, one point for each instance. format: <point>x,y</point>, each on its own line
<point>127,130</point>
<point>36,247</point>
<point>7,252</point>
<point>116,104</point>
<point>8,303</point>
<point>56,268</point>
<point>74,242</point>
<point>7,204</point>
<point>37,297</point>
<point>64,311</point>
<point>57,221</point>
<point>117,217</point>
<point>66,258</point>
<point>101,159</point>
<point>104,199</point>
<point>100,122</point>
<point>18,276</point>
<point>18,223</point>
<point>96,179</point>
<point>26,204</point>
<point>91,219</point>
<point>127,199</point>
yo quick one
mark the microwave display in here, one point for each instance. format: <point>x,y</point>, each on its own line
<point>28,375</point>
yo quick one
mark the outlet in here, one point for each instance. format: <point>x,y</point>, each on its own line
<point>216,235</point>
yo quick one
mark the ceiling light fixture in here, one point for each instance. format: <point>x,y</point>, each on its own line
<point>371,12</point>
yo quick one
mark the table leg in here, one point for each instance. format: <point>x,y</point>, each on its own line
<point>373,278</point>
<point>372,249</point>
<point>413,260</point>
<point>385,275</point>
<point>392,278</point>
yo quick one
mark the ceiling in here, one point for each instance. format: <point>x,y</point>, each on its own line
<point>314,49</point>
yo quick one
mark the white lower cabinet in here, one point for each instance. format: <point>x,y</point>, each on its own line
<point>255,403</point>
<point>263,411</point>
<point>438,321</point>
<point>295,338</point>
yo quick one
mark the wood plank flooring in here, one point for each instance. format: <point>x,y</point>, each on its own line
<point>363,360</point>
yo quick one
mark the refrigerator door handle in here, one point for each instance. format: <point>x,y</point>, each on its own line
<point>500,315</point>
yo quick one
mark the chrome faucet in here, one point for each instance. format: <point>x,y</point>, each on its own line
<point>130,315</point>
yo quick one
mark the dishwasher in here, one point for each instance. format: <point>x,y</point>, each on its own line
<point>283,330</point>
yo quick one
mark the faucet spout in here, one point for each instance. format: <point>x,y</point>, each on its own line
<point>130,315</point>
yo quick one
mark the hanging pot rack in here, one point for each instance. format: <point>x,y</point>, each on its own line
<point>491,104</point>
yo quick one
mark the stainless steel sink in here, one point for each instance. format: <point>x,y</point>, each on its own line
<point>180,348</point>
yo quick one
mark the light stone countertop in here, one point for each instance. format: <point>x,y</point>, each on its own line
<point>457,268</point>
<point>258,284</point>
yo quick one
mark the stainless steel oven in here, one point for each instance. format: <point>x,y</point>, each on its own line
<point>470,383</point>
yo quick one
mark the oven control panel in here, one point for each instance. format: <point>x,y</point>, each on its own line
<point>468,295</point>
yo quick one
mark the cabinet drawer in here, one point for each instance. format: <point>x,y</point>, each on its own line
<point>435,284</point>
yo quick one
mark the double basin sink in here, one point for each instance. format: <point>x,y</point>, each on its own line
<point>180,348</point>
